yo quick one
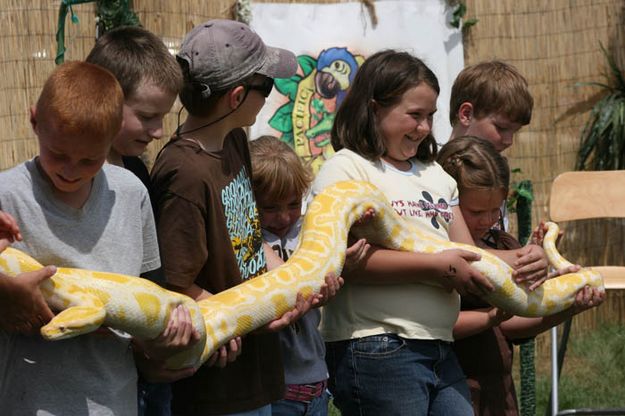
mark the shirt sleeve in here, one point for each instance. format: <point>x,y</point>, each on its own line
<point>182,237</point>
<point>151,259</point>
<point>338,168</point>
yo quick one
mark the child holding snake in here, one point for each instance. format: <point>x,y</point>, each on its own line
<point>388,332</point>
<point>206,213</point>
<point>484,334</point>
<point>73,210</point>
<point>281,182</point>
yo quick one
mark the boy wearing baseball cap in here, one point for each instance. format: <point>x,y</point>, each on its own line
<point>207,219</point>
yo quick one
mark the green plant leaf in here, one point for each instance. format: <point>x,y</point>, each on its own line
<point>458,14</point>
<point>525,193</point>
<point>602,143</point>
<point>469,22</point>
<point>594,84</point>
<point>617,74</point>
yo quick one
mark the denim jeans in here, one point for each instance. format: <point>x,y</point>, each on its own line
<point>317,407</point>
<point>154,399</point>
<point>389,375</point>
<point>261,411</point>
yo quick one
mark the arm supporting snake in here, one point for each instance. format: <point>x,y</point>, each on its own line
<point>88,299</point>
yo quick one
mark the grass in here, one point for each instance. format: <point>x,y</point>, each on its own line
<point>593,375</point>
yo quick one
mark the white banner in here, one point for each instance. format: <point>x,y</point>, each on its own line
<point>331,41</point>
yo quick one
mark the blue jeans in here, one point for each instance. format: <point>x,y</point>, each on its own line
<point>389,375</point>
<point>261,411</point>
<point>154,399</point>
<point>317,407</point>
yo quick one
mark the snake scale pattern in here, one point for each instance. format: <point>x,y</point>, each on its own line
<point>88,299</point>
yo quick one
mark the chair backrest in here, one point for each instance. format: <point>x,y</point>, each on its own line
<point>591,194</point>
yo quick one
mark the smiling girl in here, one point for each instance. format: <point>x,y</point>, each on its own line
<point>389,331</point>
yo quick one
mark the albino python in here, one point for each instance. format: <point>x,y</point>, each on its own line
<point>89,299</point>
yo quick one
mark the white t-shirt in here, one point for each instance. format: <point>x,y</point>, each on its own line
<point>424,195</point>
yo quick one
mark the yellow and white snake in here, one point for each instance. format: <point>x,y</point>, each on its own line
<point>88,299</point>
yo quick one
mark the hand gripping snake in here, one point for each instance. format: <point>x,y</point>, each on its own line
<point>87,299</point>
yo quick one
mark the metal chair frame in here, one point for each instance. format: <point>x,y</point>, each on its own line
<point>565,205</point>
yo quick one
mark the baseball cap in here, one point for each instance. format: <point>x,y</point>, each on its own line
<point>220,53</point>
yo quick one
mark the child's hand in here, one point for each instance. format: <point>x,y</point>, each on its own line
<point>226,353</point>
<point>569,269</point>
<point>587,298</point>
<point>355,254</point>
<point>497,316</point>
<point>531,266</point>
<point>154,371</point>
<point>22,306</point>
<point>9,230</point>
<point>538,235</point>
<point>328,290</point>
<point>177,336</point>
<point>302,306</point>
<point>458,274</point>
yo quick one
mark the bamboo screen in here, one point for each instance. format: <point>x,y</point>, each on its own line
<point>555,44</point>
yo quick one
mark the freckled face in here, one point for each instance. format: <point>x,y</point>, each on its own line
<point>481,209</point>
<point>70,163</point>
<point>403,126</point>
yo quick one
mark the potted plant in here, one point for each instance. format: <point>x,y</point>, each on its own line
<point>602,145</point>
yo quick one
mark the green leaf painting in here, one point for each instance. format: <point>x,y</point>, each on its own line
<point>281,120</point>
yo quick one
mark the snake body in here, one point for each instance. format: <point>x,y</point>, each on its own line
<point>88,299</point>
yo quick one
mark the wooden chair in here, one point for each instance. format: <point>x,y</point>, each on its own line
<point>577,196</point>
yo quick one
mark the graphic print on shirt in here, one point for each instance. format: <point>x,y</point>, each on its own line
<point>438,212</point>
<point>282,252</point>
<point>243,225</point>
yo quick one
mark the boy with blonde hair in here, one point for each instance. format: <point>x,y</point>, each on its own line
<point>75,211</point>
<point>490,100</point>
<point>280,183</point>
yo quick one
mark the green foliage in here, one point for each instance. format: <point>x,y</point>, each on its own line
<point>458,15</point>
<point>593,375</point>
<point>602,144</point>
<point>109,15</point>
<point>64,8</point>
<point>115,13</point>
<point>527,373</point>
<point>518,190</point>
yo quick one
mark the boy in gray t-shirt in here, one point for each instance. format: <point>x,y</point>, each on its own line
<point>74,212</point>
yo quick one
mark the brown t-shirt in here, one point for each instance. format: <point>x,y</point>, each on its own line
<point>209,234</point>
<point>486,358</point>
